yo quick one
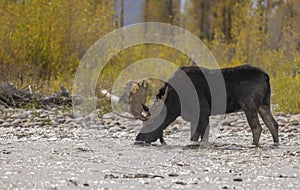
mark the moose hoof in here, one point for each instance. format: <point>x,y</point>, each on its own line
<point>142,143</point>
<point>195,143</point>
<point>256,145</point>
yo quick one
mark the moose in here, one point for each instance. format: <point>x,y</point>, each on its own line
<point>247,88</point>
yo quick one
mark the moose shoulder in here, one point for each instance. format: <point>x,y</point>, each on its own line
<point>247,89</point>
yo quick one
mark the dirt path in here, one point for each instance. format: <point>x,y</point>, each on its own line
<point>102,156</point>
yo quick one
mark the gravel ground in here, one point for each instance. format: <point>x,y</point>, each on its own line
<point>49,149</point>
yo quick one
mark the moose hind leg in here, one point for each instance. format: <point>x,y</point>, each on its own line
<point>200,128</point>
<point>205,136</point>
<point>266,115</point>
<point>256,129</point>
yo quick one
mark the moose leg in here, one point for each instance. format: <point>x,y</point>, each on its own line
<point>205,137</point>
<point>168,120</point>
<point>266,115</point>
<point>200,128</point>
<point>252,117</point>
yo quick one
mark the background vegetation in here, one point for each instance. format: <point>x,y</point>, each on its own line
<point>43,41</point>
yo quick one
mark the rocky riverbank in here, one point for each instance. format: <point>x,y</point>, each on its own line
<point>50,149</point>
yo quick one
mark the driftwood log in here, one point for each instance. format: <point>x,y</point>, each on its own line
<point>11,96</point>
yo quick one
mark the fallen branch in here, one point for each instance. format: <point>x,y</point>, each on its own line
<point>10,96</point>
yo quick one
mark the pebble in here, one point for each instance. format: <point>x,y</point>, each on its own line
<point>16,121</point>
<point>6,124</point>
<point>168,132</point>
<point>9,120</point>
<point>241,124</point>
<point>115,129</point>
<point>240,121</point>
<point>62,120</point>
<point>282,119</point>
<point>79,120</point>
<point>69,120</point>
<point>173,174</point>
<point>180,183</point>
<point>237,179</point>
<point>294,122</point>
<point>226,123</point>
<point>52,139</point>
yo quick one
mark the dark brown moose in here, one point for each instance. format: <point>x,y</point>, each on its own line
<point>247,88</point>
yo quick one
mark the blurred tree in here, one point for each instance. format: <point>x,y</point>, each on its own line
<point>223,12</point>
<point>198,18</point>
<point>166,11</point>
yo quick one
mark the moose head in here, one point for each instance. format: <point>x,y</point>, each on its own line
<point>152,117</point>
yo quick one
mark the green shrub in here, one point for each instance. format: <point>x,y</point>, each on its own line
<point>42,42</point>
